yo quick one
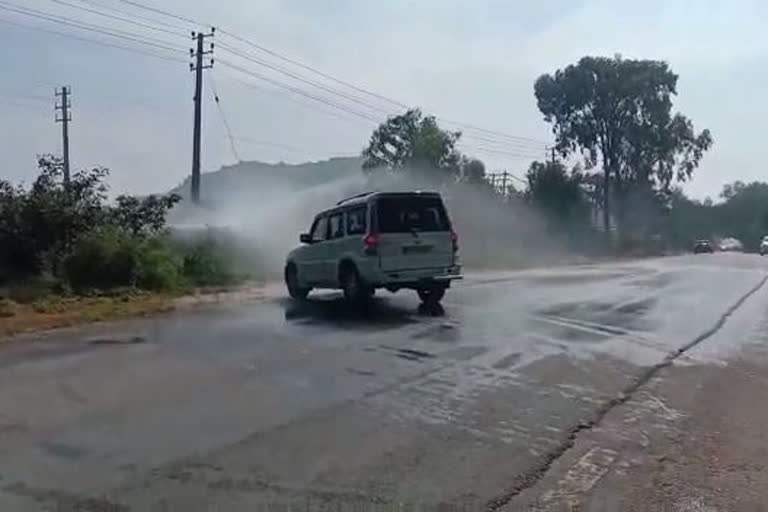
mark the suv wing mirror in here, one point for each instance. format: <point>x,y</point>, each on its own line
<point>305,238</point>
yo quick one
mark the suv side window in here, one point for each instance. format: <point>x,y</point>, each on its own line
<point>336,226</point>
<point>319,229</point>
<point>356,220</point>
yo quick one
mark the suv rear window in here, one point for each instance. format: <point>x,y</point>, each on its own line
<point>411,213</point>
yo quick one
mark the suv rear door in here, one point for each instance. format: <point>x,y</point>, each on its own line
<point>414,232</point>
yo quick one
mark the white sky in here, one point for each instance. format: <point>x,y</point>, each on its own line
<point>469,61</point>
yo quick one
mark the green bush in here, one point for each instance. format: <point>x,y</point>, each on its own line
<point>159,268</point>
<point>207,263</point>
<point>99,260</point>
<point>113,258</point>
<point>59,238</point>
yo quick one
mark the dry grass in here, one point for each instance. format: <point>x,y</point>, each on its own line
<point>29,312</point>
<point>53,311</point>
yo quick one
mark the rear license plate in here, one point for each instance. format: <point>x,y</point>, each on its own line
<point>416,249</point>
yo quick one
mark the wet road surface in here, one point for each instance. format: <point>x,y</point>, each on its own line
<point>316,406</point>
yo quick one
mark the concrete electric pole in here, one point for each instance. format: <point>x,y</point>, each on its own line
<point>198,68</point>
<point>64,119</point>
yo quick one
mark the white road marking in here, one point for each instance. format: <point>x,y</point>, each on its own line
<point>581,477</point>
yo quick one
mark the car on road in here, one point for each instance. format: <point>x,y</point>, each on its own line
<point>702,246</point>
<point>390,240</point>
<point>730,244</point>
<point>764,246</point>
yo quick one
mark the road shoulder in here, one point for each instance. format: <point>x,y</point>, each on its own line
<point>57,312</point>
<point>692,439</point>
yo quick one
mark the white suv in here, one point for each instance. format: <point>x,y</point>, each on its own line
<point>389,240</point>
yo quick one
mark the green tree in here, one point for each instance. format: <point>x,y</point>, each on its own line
<point>142,217</point>
<point>415,143</point>
<point>37,226</point>
<point>41,226</point>
<point>558,193</point>
<point>731,190</point>
<point>617,113</point>
<point>744,213</point>
<point>473,171</point>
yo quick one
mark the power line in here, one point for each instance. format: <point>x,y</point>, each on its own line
<point>330,77</point>
<point>513,144</point>
<point>39,107</point>
<point>120,18</point>
<point>492,132</point>
<point>518,141</point>
<point>302,79</point>
<point>522,143</point>
<point>297,91</point>
<point>164,13</point>
<point>370,93</point>
<point>223,117</point>
<point>310,105</point>
<point>26,97</point>
<point>122,34</point>
<point>501,152</point>
<point>101,5</point>
<point>313,70</point>
<point>278,145</point>
<point>364,116</point>
<point>92,41</point>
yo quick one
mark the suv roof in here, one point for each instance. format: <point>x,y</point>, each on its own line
<point>365,196</point>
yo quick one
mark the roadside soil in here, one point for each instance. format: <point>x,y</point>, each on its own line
<point>51,312</point>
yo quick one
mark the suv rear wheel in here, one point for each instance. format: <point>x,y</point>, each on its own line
<point>432,294</point>
<point>292,283</point>
<point>356,291</point>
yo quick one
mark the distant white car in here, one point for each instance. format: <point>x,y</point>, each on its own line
<point>390,240</point>
<point>730,245</point>
<point>764,246</point>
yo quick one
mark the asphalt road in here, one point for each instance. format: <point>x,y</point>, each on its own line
<point>242,405</point>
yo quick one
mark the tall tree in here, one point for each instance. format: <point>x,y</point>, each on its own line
<point>473,171</point>
<point>558,193</point>
<point>618,113</point>
<point>413,142</point>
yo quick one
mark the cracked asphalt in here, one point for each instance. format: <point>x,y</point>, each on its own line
<point>245,405</point>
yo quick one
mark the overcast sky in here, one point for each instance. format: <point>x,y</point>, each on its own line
<point>473,62</point>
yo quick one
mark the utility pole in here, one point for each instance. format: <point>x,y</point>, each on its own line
<point>504,177</point>
<point>198,68</point>
<point>64,119</point>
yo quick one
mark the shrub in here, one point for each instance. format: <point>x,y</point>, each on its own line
<point>159,268</point>
<point>7,308</point>
<point>100,259</point>
<point>112,258</point>
<point>43,224</point>
<point>207,263</point>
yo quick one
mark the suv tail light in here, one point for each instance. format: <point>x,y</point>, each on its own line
<point>455,241</point>
<point>371,243</point>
